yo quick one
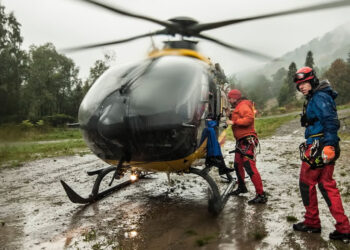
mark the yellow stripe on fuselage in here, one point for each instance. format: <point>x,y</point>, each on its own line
<point>179,52</point>
<point>182,164</point>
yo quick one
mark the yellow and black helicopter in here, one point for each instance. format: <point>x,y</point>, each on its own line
<point>149,116</point>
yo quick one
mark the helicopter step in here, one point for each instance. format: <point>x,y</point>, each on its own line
<point>216,201</point>
<point>95,194</point>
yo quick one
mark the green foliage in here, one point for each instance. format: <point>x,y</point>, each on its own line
<point>205,240</point>
<point>51,80</point>
<point>287,92</point>
<point>309,61</point>
<point>26,124</point>
<point>16,154</point>
<point>58,120</point>
<point>12,66</point>
<point>89,236</point>
<point>291,218</point>
<point>278,80</point>
<point>27,131</point>
<point>339,76</point>
<point>260,92</point>
<point>99,67</point>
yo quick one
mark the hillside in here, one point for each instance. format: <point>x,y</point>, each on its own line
<point>332,45</point>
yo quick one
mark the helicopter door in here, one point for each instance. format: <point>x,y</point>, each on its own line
<point>213,108</point>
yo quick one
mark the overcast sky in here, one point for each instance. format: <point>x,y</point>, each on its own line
<point>68,23</point>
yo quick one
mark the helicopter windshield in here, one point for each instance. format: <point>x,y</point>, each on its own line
<point>171,85</point>
<point>107,83</point>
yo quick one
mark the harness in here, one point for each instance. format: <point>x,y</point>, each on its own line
<point>248,141</point>
<point>304,120</point>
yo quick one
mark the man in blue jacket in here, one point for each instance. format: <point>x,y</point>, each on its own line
<point>318,154</point>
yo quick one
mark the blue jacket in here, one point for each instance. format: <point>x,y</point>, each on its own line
<point>213,146</point>
<point>321,105</point>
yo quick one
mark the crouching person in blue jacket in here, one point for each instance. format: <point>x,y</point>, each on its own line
<point>214,155</point>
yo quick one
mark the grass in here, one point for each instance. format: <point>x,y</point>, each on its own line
<point>257,235</point>
<point>10,133</point>
<point>291,218</point>
<point>205,240</point>
<point>267,126</point>
<point>15,155</point>
<point>345,106</point>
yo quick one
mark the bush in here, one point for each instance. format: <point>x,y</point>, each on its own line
<point>58,120</point>
<point>26,124</point>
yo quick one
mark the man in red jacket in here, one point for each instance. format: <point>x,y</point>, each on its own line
<point>242,121</point>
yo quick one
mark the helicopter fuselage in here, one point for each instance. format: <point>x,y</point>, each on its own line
<point>152,112</point>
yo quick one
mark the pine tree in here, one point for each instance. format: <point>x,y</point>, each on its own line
<point>309,62</point>
<point>287,92</point>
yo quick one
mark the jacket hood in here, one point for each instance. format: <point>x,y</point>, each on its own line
<point>325,87</point>
<point>246,101</point>
<point>211,123</point>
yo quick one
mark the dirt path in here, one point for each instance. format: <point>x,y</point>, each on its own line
<point>36,214</point>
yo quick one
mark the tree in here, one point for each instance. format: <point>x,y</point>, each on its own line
<point>260,91</point>
<point>348,60</point>
<point>287,92</point>
<point>277,80</point>
<point>338,74</point>
<point>97,70</point>
<point>12,66</point>
<point>50,81</point>
<point>309,62</point>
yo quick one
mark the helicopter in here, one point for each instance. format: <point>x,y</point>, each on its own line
<point>149,116</point>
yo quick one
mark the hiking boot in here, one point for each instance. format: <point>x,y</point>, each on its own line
<point>240,190</point>
<point>225,170</point>
<point>305,228</point>
<point>258,199</point>
<point>339,236</point>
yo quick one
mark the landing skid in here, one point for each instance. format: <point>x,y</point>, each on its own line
<point>216,201</point>
<point>95,195</point>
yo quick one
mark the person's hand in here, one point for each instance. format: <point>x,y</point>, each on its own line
<point>229,122</point>
<point>328,154</point>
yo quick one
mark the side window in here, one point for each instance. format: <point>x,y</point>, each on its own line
<point>213,101</point>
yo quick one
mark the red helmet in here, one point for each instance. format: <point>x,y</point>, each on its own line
<point>306,74</point>
<point>235,94</point>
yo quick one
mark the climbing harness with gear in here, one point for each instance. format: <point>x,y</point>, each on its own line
<point>248,141</point>
<point>314,157</point>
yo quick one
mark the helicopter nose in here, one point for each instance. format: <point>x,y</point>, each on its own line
<point>111,124</point>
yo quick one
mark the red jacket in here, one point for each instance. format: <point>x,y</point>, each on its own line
<point>243,118</point>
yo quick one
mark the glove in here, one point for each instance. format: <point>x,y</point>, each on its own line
<point>328,154</point>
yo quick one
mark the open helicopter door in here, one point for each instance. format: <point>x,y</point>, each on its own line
<point>217,199</point>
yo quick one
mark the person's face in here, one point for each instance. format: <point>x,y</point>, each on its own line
<point>232,101</point>
<point>305,88</point>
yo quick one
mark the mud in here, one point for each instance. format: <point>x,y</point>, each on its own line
<point>155,214</point>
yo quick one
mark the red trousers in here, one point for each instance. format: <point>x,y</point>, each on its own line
<point>327,185</point>
<point>245,160</point>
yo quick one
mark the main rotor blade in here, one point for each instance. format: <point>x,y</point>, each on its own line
<point>208,26</point>
<point>126,13</point>
<point>237,49</point>
<point>159,32</point>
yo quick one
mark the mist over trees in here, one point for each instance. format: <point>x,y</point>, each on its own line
<point>281,87</point>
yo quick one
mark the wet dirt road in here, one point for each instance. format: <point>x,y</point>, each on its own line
<point>36,214</point>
